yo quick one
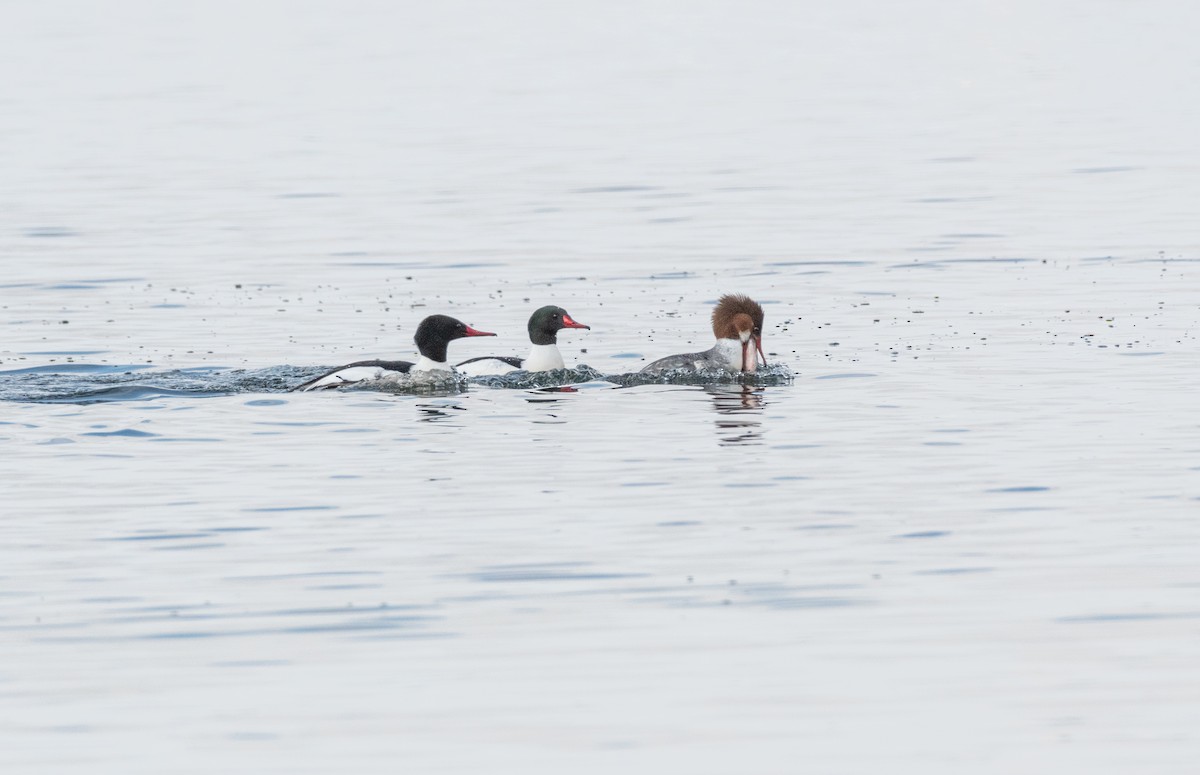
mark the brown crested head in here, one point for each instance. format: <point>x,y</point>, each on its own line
<point>736,314</point>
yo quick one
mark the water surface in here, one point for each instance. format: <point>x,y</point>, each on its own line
<point>961,538</point>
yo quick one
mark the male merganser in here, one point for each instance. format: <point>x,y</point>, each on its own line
<point>737,321</point>
<point>544,325</point>
<point>433,334</point>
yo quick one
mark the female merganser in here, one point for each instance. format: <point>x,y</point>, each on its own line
<point>737,321</point>
<point>544,325</point>
<point>433,334</point>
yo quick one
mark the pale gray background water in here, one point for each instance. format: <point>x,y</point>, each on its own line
<point>964,540</point>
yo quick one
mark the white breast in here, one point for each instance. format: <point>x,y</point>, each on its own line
<point>729,353</point>
<point>544,357</point>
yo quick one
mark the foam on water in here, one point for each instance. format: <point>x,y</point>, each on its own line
<point>776,374</point>
<point>418,383</point>
<point>539,379</point>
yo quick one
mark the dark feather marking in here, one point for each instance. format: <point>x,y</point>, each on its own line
<point>400,366</point>
<point>510,360</point>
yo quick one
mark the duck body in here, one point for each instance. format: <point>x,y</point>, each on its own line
<point>725,355</point>
<point>544,325</point>
<point>542,357</point>
<point>737,324</point>
<point>487,365</point>
<point>432,338</point>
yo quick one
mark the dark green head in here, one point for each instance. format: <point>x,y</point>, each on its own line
<point>546,322</point>
<point>437,331</point>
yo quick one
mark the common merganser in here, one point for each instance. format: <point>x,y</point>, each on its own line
<point>737,321</point>
<point>544,325</point>
<point>433,335</point>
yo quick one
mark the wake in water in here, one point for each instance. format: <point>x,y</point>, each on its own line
<point>93,383</point>
<point>87,383</point>
<point>777,374</point>
<point>539,379</point>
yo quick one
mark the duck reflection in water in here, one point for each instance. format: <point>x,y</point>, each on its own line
<point>545,395</point>
<point>438,412</point>
<point>739,408</point>
<point>548,399</point>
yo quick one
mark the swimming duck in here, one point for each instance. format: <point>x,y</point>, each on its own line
<point>737,323</point>
<point>433,335</point>
<point>544,325</point>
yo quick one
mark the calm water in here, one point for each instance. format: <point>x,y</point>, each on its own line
<point>961,539</point>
